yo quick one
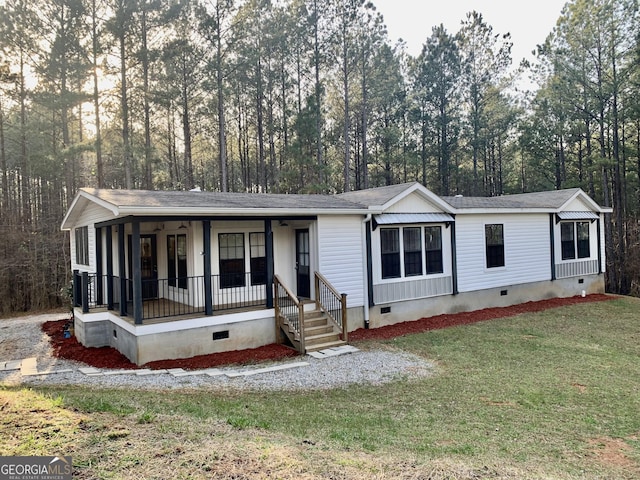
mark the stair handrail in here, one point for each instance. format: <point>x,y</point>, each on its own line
<point>331,302</point>
<point>293,310</point>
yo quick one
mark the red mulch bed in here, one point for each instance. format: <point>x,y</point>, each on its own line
<point>465,318</point>
<point>107,357</point>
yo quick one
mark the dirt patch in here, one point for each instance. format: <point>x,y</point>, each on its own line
<point>580,387</point>
<point>107,357</point>
<point>494,403</point>
<point>612,452</point>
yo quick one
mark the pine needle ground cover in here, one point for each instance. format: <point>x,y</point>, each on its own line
<point>551,394</point>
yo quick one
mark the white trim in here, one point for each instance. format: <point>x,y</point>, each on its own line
<point>426,194</point>
<point>586,215</point>
<point>177,325</point>
<point>412,218</point>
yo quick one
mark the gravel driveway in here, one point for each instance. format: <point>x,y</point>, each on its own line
<point>22,338</point>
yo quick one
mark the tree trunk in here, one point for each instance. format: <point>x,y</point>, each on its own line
<point>318,93</point>
<point>24,177</point>
<point>347,120</point>
<point>148,181</point>
<point>364,132</point>
<point>222,134</point>
<point>96,95</point>
<point>262,168</point>
<point>124,112</point>
<point>4,208</point>
<point>186,132</point>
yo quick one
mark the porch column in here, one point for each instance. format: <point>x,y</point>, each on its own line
<point>99,279</point>
<point>206,258</point>
<point>370,299</point>
<point>109,247</point>
<point>454,259</point>
<point>77,288</point>
<point>137,272</point>
<point>122,272</point>
<point>599,247</point>
<point>268,247</point>
<point>552,246</point>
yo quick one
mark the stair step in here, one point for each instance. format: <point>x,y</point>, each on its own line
<point>322,346</point>
<point>321,338</point>
<point>317,330</point>
<point>318,322</point>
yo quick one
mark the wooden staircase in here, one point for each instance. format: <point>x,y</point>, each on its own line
<point>310,330</point>
<point>320,332</point>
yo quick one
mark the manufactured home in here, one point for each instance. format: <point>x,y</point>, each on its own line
<point>160,274</point>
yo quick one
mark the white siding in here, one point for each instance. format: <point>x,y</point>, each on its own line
<point>412,289</point>
<point>576,205</point>
<point>341,253</point>
<point>576,269</point>
<point>527,251</point>
<point>414,203</point>
<point>91,215</point>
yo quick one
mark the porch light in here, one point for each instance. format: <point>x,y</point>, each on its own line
<point>182,226</point>
<point>283,223</point>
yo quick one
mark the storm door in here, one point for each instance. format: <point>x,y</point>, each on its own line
<point>148,266</point>
<point>303,271</point>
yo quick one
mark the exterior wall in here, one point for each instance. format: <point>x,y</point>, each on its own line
<point>179,339</point>
<point>91,215</point>
<point>577,205</point>
<point>527,251</point>
<point>341,255</point>
<point>413,287</point>
<point>578,266</point>
<point>491,297</point>
<point>413,203</point>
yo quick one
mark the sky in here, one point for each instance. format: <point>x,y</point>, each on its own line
<point>529,22</point>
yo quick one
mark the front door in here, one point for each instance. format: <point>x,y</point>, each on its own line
<point>148,266</point>
<point>303,271</point>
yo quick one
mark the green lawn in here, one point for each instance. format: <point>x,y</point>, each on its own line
<point>554,394</point>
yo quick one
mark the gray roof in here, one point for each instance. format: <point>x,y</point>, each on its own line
<point>219,200</point>
<point>553,199</point>
<point>375,196</point>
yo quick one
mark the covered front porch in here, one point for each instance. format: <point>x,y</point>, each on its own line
<point>158,267</point>
<point>194,286</point>
<point>305,325</point>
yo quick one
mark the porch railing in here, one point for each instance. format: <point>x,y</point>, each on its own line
<point>167,297</point>
<point>289,314</point>
<point>331,302</point>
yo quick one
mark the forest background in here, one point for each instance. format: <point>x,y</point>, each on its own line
<point>302,96</point>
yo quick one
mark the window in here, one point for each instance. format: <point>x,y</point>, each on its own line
<point>390,251</point>
<point>231,260</point>
<point>82,245</point>
<point>258,259</point>
<point>583,239</point>
<point>433,247</point>
<point>574,239</point>
<point>407,244</point>
<point>412,243</point>
<point>177,260</point>
<point>494,240</point>
<point>566,236</point>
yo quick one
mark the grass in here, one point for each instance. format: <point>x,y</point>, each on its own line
<point>554,394</point>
